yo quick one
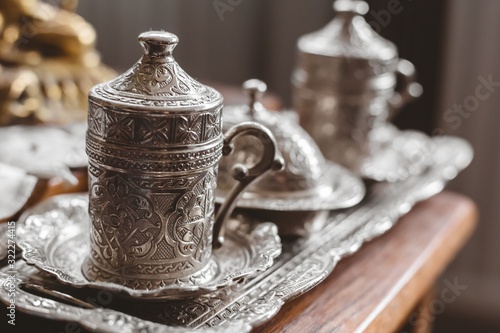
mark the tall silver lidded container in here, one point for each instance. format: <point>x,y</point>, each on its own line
<point>154,142</point>
<point>345,84</point>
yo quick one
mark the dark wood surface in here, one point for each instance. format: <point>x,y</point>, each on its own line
<point>376,289</point>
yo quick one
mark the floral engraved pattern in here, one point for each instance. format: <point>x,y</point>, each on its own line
<point>189,129</point>
<point>125,221</point>
<point>154,78</point>
<point>95,120</point>
<point>213,125</point>
<point>155,131</point>
<point>158,79</point>
<point>190,223</point>
<point>119,128</point>
<point>130,235</point>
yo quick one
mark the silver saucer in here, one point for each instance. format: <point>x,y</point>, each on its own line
<point>54,236</point>
<point>397,155</point>
<point>339,189</point>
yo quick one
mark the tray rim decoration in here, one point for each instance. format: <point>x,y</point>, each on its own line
<point>260,246</point>
<point>305,262</point>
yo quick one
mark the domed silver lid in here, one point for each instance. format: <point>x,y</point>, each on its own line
<point>347,53</point>
<point>308,181</point>
<point>349,35</point>
<point>156,82</point>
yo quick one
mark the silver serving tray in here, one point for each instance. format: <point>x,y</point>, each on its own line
<point>303,264</point>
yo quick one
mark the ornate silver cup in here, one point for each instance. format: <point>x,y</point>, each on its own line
<point>345,84</point>
<point>154,142</point>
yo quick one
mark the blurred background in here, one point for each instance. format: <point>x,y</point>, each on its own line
<point>454,44</point>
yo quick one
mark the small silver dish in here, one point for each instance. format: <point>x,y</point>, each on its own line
<point>44,151</point>
<point>397,155</point>
<point>54,237</point>
<point>17,188</point>
<point>297,199</point>
<point>308,182</point>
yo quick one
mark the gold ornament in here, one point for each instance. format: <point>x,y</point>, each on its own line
<point>48,63</point>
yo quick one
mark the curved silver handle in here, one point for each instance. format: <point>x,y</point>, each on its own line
<point>271,160</point>
<point>409,90</point>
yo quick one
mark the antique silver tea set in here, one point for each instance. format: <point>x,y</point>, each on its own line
<point>188,199</point>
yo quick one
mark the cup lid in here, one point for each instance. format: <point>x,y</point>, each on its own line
<point>349,36</point>
<point>304,163</point>
<point>157,82</point>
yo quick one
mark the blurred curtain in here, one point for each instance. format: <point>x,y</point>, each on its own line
<point>231,44</point>
<point>469,108</point>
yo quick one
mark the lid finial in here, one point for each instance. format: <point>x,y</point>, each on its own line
<point>158,43</point>
<point>255,89</point>
<point>355,7</point>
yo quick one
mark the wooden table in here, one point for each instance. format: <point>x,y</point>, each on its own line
<point>381,288</point>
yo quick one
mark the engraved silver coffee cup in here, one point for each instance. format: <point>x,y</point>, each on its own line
<point>154,142</point>
<point>348,83</point>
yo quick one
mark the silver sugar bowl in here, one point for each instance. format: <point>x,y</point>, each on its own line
<point>345,84</point>
<point>154,142</point>
<point>298,198</point>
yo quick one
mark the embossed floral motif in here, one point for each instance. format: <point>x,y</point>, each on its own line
<point>127,221</point>
<point>187,225</point>
<point>95,122</point>
<point>154,79</point>
<point>213,125</point>
<point>155,132</point>
<point>188,129</point>
<point>158,79</point>
<point>119,128</point>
